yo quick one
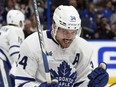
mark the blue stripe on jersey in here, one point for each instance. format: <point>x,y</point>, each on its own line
<point>24,78</point>
<point>21,85</point>
<point>50,36</point>
<point>1,80</point>
<point>14,46</point>
<point>17,52</point>
<point>7,73</point>
<point>77,84</point>
<point>7,60</point>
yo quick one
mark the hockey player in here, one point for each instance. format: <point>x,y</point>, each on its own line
<point>68,55</point>
<point>11,36</point>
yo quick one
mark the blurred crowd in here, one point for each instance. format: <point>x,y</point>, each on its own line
<point>98,16</point>
<point>26,7</point>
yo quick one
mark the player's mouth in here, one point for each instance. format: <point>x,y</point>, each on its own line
<point>67,41</point>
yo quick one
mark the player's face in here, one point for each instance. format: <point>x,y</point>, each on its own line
<point>65,37</point>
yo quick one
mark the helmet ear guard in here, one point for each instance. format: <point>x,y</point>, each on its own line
<point>16,17</point>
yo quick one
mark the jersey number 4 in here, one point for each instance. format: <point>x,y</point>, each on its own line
<point>24,62</point>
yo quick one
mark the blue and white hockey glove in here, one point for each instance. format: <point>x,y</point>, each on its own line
<point>45,84</point>
<point>98,77</point>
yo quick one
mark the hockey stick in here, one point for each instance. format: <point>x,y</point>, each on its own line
<point>41,41</point>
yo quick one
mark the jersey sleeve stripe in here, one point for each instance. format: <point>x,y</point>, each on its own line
<point>21,85</point>
<point>77,84</point>
<point>5,74</point>
<point>14,46</point>
<point>7,61</point>
<point>14,53</point>
<point>24,78</point>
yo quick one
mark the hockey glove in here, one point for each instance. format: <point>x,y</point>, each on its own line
<point>98,77</point>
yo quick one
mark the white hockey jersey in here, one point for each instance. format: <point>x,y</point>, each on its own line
<point>10,39</point>
<point>70,66</point>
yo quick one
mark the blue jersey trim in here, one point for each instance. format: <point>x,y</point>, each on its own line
<point>24,78</point>
<point>50,36</point>
<point>21,85</point>
<point>77,84</point>
<point>14,53</point>
<point>1,80</point>
<point>7,60</point>
<point>14,46</point>
<point>7,73</point>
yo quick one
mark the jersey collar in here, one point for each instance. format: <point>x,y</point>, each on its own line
<point>49,35</point>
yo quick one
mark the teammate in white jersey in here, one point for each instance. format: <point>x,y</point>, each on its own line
<point>11,36</point>
<point>68,55</point>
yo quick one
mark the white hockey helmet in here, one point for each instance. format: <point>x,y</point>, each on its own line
<point>67,17</point>
<point>15,17</point>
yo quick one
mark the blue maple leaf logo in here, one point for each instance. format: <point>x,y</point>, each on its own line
<point>64,75</point>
